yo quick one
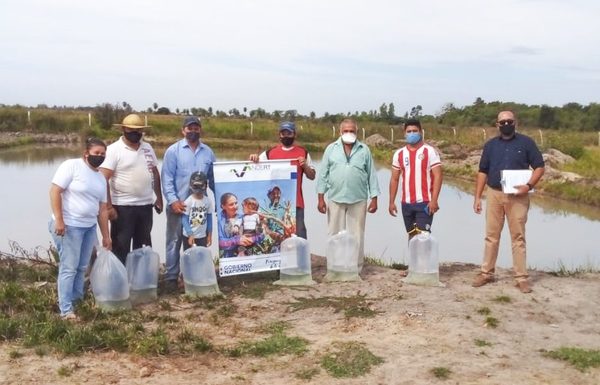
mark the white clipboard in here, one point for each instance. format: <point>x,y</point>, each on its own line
<point>511,178</point>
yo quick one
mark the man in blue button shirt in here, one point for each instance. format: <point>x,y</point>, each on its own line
<point>347,174</point>
<point>180,161</point>
<point>508,151</point>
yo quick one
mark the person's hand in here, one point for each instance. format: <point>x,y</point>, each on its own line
<point>301,161</point>
<point>521,189</point>
<point>477,206</point>
<point>178,207</point>
<point>158,205</point>
<point>253,158</point>
<point>59,227</point>
<point>433,207</point>
<point>246,241</point>
<point>393,210</point>
<point>208,240</point>
<point>107,243</point>
<point>112,213</point>
<point>372,206</point>
<point>190,241</point>
<point>322,206</point>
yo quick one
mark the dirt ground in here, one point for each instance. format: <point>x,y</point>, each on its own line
<point>416,329</point>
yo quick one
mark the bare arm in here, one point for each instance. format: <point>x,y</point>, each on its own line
<point>103,224</point>
<point>479,185</point>
<point>158,204</point>
<point>56,206</point>
<point>436,188</point>
<point>394,181</point>
<point>112,212</point>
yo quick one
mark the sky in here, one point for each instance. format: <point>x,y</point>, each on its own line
<point>334,56</point>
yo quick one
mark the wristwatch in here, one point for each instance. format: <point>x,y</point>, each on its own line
<point>530,186</point>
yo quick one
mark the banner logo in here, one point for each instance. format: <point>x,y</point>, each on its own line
<point>250,167</point>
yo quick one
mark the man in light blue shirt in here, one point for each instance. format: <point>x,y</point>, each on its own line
<point>180,161</point>
<point>347,175</point>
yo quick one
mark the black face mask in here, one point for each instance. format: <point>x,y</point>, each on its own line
<point>133,136</point>
<point>286,141</point>
<point>95,160</point>
<point>192,136</point>
<point>507,129</point>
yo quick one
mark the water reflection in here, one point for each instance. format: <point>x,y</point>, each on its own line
<point>557,231</point>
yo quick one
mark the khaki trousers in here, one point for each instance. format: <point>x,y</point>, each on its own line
<point>349,217</point>
<point>514,209</point>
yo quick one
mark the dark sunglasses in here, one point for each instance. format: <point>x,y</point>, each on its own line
<point>507,121</point>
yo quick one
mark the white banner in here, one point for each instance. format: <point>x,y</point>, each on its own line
<point>256,210</point>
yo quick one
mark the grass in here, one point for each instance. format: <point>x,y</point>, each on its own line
<point>484,310</point>
<point>349,360</point>
<point>253,286</point>
<point>492,322</point>
<point>441,373</point>
<point>278,343</point>
<point>15,354</point>
<point>503,299</point>
<point>306,374</point>
<point>482,343</point>
<point>378,262</point>
<point>564,271</point>
<point>582,359</point>
<point>357,306</point>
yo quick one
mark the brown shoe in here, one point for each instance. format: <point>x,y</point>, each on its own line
<point>482,279</point>
<point>524,287</point>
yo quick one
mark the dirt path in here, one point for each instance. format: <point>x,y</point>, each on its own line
<point>415,330</point>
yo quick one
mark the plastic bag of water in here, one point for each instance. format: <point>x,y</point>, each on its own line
<point>109,282</point>
<point>142,267</point>
<point>342,257</point>
<point>423,267</point>
<point>295,267</point>
<point>198,272</point>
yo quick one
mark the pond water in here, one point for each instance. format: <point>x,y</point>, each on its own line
<point>558,232</point>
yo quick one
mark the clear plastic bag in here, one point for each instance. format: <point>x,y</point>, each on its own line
<point>423,267</point>
<point>142,267</point>
<point>109,281</point>
<point>342,257</point>
<point>295,262</point>
<point>198,272</point>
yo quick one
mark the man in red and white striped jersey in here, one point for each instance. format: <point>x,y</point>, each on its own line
<point>420,166</point>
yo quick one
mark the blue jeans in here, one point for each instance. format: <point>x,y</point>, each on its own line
<point>174,237</point>
<point>74,249</point>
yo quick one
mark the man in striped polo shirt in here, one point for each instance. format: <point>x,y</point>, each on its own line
<point>420,166</point>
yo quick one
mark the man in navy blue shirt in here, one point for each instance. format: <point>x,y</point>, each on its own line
<point>507,151</point>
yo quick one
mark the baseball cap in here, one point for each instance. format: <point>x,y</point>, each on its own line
<point>198,181</point>
<point>273,188</point>
<point>191,120</point>
<point>289,126</point>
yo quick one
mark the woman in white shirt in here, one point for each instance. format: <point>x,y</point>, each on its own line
<point>78,202</point>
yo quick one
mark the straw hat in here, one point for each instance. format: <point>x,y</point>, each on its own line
<point>132,121</point>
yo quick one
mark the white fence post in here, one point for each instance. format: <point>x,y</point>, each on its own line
<point>90,119</point>
<point>363,131</point>
<point>145,120</point>
<point>29,117</point>
<point>333,131</point>
<point>541,138</point>
<point>392,134</point>
<point>423,135</point>
<point>251,128</point>
<point>484,134</point>
<point>454,129</point>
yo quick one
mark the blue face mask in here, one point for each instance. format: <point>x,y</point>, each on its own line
<point>413,137</point>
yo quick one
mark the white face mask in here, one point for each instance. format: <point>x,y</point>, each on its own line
<point>348,137</point>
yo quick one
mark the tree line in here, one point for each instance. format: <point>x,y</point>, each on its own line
<point>571,116</point>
